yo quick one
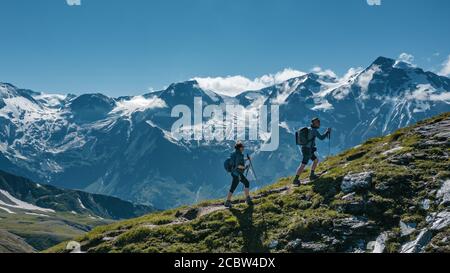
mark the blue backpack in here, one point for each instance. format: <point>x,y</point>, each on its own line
<point>229,164</point>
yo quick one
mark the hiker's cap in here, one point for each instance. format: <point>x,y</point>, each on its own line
<point>315,119</point>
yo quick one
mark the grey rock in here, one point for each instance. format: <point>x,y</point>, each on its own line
<point>188,214</point>
<point>359,181</point>
<point>407,228</point>
<point>380,243</point>
<point>404,159</point>
<point>273,244</point>
<point>352,226</point>
<point>314,247</point>
<point>426,204</point>
<point>444,193</point>
<point>441,221</point>
<point>293,245</point>
<point>348,196</point>
<point>419,243</point>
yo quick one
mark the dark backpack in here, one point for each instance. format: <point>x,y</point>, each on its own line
<point>302,136</point>
<point>229,165</point>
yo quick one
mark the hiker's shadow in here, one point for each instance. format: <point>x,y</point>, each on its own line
<point>251,234</point>
<point>327,187</point>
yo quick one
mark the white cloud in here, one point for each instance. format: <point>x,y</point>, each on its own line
<point>406,58</point>
<point>139,103</point>
<point>445,71</point>
<point>73,2</point>
<point>426,92</point>
<point>234,85</point>
<point>327,72</point>
<point>404,61</point>
<point>374,2</point>
<point>366,77</point>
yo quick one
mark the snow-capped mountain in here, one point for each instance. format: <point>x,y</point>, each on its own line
<point>123,146</point>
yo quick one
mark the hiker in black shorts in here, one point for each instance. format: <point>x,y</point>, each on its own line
<point>237,173</point>
<point>309,150</point>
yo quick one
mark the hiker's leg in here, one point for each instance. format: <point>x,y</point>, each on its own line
<point>244,181</point>
<point>247,192</point>
<point>314,165</point>
<point>229,196</point>
<point>315,160</point>
<point>301,168</point>
<point>233,187</point>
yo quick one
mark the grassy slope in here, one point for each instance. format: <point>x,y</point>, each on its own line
<point>43,232</point>
<point>311,213</point>
<point>10,243</point>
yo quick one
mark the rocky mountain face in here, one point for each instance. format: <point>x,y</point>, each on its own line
<point>124,147</point>
<point>390,194</point>
<point>35,217</point>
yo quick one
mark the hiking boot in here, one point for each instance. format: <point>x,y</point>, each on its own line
<point>249,201</point>
<point>296,183</point>
<point>313,177</point>
<point>228,204</point>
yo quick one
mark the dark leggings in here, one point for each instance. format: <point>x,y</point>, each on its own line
<point>236,180</point>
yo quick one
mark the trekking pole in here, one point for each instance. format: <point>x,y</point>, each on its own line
<point>251,167</point>
<point>262,211</point>
<point>329,143</point>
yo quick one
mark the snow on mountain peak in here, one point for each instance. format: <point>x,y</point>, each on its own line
<point>7,90</point>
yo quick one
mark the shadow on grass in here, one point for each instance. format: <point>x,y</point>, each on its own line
<point>252,235</point>
<point>327,187</point>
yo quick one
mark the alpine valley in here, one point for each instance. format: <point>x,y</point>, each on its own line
<point>123,146</point>
<point>35,216</point>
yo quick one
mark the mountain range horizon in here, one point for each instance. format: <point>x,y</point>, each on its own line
<point>211,83</point>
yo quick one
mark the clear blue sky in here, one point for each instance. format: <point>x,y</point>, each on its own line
<point>122,47</point>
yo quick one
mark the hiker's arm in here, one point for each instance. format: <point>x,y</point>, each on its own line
<point>322,137</point>
<point>325,135</point>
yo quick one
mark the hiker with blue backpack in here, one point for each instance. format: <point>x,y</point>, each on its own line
<point>306,138</point>
<point>235,165</point>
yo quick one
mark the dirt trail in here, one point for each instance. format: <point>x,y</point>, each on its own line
<point>195,213</point>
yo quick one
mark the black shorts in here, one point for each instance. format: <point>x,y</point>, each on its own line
<point>308,154</point>
<point>240,177</point>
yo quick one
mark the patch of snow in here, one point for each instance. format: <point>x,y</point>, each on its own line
<point>51,100</point>
<point>7,210</point>
<point>36,214</point>
<point>323,106</point>
<point>19,204</point>
<point>81,204</point>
